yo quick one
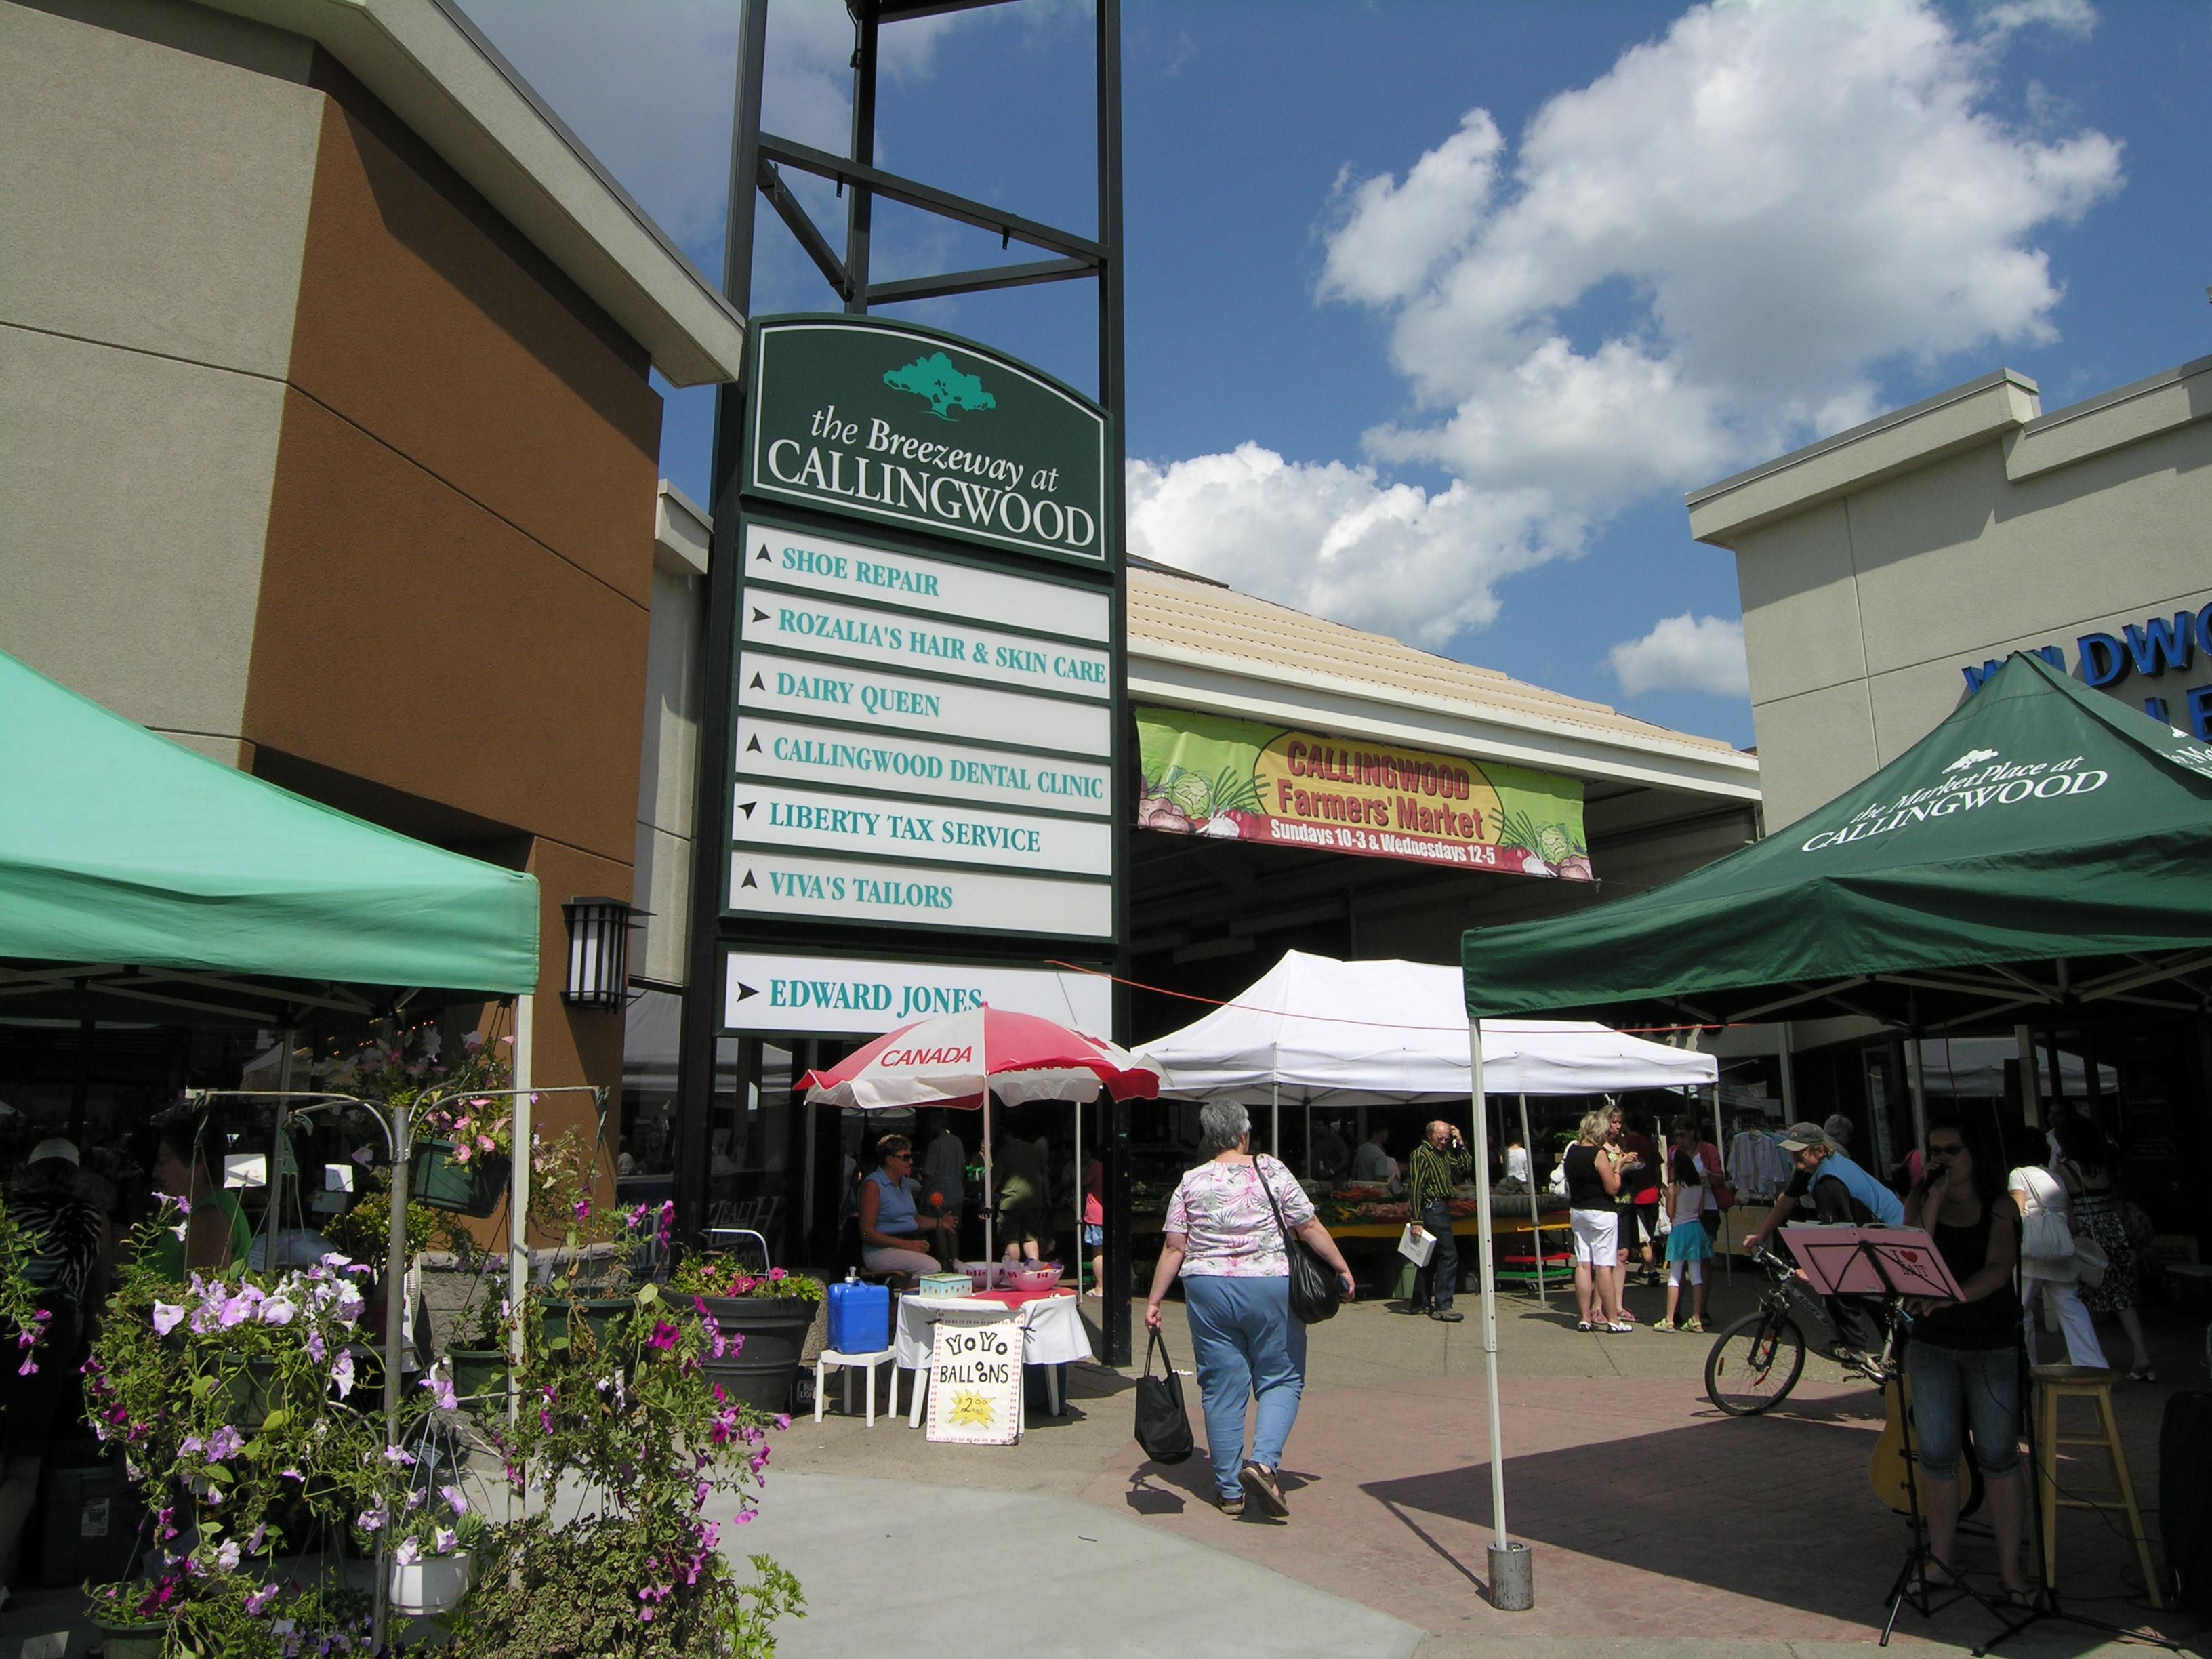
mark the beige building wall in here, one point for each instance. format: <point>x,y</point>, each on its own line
<point>139,418</point>
<point>1875,566</point>
<point>668,771</point>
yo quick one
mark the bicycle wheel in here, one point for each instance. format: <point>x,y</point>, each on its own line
<point>1754,1362</point>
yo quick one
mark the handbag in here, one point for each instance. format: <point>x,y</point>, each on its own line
<point>1717,1182</point>
<point>1163,1424</point>
<point>2090,1262</point>
<point>1316,1293</point>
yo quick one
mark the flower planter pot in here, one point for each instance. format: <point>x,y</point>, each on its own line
<point>479,1372</point>
<point>473,1186</point>
<point>775,1330</point>
<point>432,1585</point>
<point>598,1314</point>
<point>130,1641</point>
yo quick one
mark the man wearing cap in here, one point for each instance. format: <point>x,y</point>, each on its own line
<point>1842,1195</point>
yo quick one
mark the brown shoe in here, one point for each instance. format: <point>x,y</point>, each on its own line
<point>1232,1507</point>
<point>1264,1489</point>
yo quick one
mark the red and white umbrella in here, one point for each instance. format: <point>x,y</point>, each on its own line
<point>963,1060</point>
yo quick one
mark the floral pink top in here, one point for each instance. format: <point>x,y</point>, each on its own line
<point>1228,1226</point>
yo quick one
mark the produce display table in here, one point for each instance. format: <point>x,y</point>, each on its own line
<point>1050,1322</point>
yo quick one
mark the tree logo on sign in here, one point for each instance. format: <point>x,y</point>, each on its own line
<point>943,387</point>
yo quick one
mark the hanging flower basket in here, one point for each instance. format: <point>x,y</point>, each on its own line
<point>479,1373</point>
<point>430,1585</point>
<point>468,1185</point>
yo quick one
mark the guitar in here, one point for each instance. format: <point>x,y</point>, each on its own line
<point>1886,1469</point>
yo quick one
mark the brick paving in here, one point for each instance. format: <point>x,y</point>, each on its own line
<point>1653,1517</point>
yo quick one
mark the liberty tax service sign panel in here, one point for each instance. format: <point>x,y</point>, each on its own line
<point>925,732</point>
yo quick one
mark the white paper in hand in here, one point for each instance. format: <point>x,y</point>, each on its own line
<point>1417,1250</point>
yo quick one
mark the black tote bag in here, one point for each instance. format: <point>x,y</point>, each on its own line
<point>1163,1424</point>
<point>1315,1291</point>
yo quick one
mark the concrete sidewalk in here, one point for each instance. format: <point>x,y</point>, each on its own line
<point>990,1575</point>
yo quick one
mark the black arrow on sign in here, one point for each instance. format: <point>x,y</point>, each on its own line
<point>749,881</point>
<point>746,807</point>
<point>752,744</point>
<point>745,990</point>
<point>762,558</point>
<point>759,615</point>
<point>755,685</point>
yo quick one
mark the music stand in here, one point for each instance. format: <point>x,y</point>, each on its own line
<point>1894,1262</point>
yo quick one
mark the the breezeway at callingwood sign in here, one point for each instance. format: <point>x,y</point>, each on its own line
<point>911,427</point>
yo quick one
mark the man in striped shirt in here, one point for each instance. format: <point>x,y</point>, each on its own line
<point>1439,1163</point>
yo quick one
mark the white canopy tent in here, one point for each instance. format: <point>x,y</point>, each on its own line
<point>1317,1031</point>
<point>1314,1030</point>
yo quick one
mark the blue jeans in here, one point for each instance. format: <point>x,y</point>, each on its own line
<point>1247,1344</point>
<point>1952,1387</point>
<point>1434,1285</point>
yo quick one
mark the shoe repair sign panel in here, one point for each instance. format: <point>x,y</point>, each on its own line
<point>1204,776</point>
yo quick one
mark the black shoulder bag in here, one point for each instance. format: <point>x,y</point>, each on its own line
<point>1163,1425</point>
<point>1315,1291</point>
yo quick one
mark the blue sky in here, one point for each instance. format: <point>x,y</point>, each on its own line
<point>1436,310</point>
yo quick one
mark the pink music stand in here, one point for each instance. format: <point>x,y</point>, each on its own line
<point>1872,1262</point>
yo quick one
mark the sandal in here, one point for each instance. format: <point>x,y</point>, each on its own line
<point>2143,1373</point>
<point>1698,1325</point>
<point>1233,1507</point>
<point>1621,1330</point>
<point>1260,1483</point>
<point>1584,1325</point>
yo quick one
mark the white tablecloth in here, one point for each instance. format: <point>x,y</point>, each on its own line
<point>1053,1332</point>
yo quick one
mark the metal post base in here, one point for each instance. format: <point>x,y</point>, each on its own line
<point>1512,1577</point>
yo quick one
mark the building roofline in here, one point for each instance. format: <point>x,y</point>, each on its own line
<point>438,73</point>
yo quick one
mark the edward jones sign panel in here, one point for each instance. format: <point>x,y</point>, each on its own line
<point>912,427</point>
<point>1205,775</point>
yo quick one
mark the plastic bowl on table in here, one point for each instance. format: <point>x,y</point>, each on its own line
<point>1045,1276</point>
<point>982,1275</point>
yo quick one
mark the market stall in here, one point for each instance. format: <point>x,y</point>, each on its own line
<point>1317,1031</point>
<point>2044,851</point>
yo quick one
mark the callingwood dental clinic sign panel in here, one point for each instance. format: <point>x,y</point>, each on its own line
<point>925,721</point>
<point>1204,776</point>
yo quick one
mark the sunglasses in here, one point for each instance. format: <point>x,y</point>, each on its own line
<point>1949,1149</point>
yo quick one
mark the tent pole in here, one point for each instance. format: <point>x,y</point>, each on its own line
<point>990,1191</point>
<point>1512,1586</point>
<point>1918,1076</point>
<point>1275,1113</point>
<point>1720,1151</point>
<point>1078,1199</point>
<point>1535,1209</point>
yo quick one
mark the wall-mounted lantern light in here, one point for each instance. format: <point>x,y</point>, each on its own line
<point>598,952</point>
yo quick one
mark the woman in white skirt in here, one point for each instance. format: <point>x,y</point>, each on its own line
<point>2047,1266</point>
<point>1593,1189</point>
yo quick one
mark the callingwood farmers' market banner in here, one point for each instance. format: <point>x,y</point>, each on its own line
<point>1208,776</point>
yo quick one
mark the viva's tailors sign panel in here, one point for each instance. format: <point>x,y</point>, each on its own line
<point>1209,776</point>
<point>911,427</point>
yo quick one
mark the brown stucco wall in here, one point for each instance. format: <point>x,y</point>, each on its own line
<point>455,590</point>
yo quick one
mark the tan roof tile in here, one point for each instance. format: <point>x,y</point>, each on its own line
<point>1187,613</point>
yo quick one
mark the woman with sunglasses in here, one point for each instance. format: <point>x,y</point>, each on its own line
<point>893,1226</point>
<point>1963,1359</point>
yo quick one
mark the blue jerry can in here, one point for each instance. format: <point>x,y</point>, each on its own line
<point>860,1317</point>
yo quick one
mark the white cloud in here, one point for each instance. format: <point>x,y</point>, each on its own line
<point>1339,541</point>
<point>1789,195</point>
<point>2076,17</point>
<point>1684,653</point>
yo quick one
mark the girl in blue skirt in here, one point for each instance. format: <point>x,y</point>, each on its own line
<point>1689,1247</point>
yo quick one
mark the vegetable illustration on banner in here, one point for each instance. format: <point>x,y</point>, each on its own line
<point>1204,776</point>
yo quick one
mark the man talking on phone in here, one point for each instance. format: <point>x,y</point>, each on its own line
<point>1439,1163</point>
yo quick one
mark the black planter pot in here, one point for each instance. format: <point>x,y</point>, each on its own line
<point>766,1365</point>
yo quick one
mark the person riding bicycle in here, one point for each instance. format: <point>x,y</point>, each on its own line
<point>1841,1194</point>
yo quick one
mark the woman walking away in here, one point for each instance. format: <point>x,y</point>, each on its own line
<point>1689,1247</point>
<point>1593,1182</point>
<point>2085,1164</point>
<point>2047,1265</point>
<point>68,1267</point>
<point>1221,1235</point>
<point>1962,1361</point>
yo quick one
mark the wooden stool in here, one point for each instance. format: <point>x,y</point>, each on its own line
<point>2094,1384</point>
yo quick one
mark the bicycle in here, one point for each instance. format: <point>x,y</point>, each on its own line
<point>1756,1361</point>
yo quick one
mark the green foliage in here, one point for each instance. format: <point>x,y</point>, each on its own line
<point>631,1416</point>
<point>710,1274</point>
<point>568,1592</point>
<point>19,1297</point>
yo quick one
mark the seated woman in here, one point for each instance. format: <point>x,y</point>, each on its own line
<point>892,1227</point>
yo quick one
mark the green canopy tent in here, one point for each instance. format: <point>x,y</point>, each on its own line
<point>2044,848</point>
<point>134,871</point>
